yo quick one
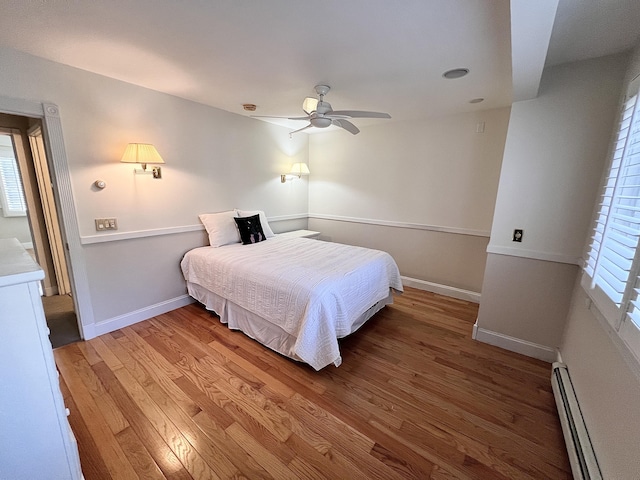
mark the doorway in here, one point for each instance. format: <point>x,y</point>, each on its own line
<point>23,153</point>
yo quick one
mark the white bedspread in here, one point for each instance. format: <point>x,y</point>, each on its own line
<point>311,289</point>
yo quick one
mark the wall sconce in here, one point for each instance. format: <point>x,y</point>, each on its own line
<point>143,153</point>
<point>298,169</point>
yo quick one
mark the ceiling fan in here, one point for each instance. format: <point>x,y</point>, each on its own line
<point>321,115</point>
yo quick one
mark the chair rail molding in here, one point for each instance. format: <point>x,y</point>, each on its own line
<point>414,226</point>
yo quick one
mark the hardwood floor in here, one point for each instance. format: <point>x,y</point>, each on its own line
<point>180,396</point>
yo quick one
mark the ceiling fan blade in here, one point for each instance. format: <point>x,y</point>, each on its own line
<point>284,118</point>
<point>300,129</point>
<point>347,125</point>
<point>359,114</point>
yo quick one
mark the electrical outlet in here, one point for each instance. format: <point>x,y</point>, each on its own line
<point>517,235</point>
<point>106,224</point>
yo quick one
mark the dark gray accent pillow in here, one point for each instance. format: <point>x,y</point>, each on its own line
<point>250,229</point>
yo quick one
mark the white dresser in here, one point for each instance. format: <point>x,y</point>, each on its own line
<point>36,441</point>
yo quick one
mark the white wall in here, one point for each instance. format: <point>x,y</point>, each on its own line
<point>554,154</point>
<point>404,187</point>
<point>553,160</point>
<point>214,161</point>
<point>225,160</point>
<point>524,304</point>
<point>608,388</point>
<point>15,227</point>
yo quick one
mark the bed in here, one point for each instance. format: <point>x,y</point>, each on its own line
<point>296,296</point>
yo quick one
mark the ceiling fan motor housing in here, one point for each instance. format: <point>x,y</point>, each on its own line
<point>323,107</point>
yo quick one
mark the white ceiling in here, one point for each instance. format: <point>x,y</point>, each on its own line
<point>593,28</point>
<point>375,54</point>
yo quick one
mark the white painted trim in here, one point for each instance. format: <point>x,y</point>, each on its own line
<point>283,218</point>
<point>530,349</point>
<point>454,292</point>
<point>535,255</point>
<point>57,156</point>
<point>136,316</point>
<point>413,226</point>
<point>18,106</point>
<point>27,245</point>
<point>89,331</point>
<point>113,237</point>
<point>154,232</point>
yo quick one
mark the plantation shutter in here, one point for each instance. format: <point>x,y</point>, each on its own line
<point>630,328</point>
<point>11,193</point>
<point>614,243</point>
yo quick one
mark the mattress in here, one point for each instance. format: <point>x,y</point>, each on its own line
<point>313,292</point>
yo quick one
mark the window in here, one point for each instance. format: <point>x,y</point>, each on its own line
<point>11,194</point>
<point>612,267</point>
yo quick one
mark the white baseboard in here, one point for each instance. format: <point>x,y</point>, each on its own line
<point>530,349</point>
<point>136,316</point>
<point>454,292</point>
<point>87,332</point>
<point>121,321</point>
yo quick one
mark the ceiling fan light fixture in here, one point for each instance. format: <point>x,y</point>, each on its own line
<point>455,73</point>
<point>309,105</point>
<point>320,122</point>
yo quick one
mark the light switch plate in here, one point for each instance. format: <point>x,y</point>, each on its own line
<point>103,224</point>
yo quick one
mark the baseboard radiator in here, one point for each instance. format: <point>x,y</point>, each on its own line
<point>581,455</point>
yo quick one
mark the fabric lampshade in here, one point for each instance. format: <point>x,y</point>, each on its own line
<point>299,169</point>
<point>141,153</point>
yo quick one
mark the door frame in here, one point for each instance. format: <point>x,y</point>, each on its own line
<point>49,114</point>
<point>49,208</point>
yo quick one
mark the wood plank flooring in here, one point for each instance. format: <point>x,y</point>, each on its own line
<point>180,396</point>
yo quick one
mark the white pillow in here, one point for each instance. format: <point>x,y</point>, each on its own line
<point>263,220</point>
<point>221,228</point>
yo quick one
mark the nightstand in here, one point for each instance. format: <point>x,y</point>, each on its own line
<point>300,234</point>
